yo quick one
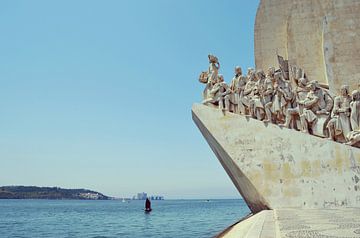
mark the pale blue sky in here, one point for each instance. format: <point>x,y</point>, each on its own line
<point>98,94</point>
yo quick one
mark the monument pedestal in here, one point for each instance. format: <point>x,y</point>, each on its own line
<point>277,168</point>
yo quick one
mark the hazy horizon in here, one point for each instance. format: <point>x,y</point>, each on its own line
<point>129,196</point>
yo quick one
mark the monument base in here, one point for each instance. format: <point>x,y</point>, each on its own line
<point>277,168</point>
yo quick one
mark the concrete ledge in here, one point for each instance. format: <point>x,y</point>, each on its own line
<point>259,225</point>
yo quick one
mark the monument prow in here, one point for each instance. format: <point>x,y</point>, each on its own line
<point>289,136</point>
<point>274,167</point>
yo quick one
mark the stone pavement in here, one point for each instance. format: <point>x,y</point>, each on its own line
<point>299,223</point>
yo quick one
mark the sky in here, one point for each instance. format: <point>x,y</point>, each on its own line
<point>98,94</point>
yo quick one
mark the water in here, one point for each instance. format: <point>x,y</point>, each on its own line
<point>76,218</point>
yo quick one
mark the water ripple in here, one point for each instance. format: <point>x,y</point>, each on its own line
<point>110,219</point>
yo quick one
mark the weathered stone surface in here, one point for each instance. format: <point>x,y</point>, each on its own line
<point>271,32</point>
<point>305,38</point>
<point>281,168</point>
<point>341,43</point>
<point>320,36</point>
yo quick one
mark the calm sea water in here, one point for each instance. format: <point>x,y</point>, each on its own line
<point>70,218</point>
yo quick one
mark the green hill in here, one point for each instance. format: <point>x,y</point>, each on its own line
<point>33,192</point>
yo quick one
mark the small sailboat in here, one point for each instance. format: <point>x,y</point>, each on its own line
<point>123,200</point>
<point>147,206</point>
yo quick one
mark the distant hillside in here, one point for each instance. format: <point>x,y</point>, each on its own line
<point>33,192</point>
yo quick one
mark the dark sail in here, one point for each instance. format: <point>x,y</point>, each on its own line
<point>147,205</point>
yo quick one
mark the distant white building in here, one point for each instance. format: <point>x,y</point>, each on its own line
<point>141,196</point>
<point>89,195</point>
<point>157,197</point>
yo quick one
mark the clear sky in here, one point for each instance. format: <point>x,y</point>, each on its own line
<point>98,94</point>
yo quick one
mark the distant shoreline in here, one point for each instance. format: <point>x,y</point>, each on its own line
<point>49,193</point>
<point>130,200</point>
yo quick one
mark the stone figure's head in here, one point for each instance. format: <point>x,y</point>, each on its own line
<point>250,71</point>
<point>344,90</point>
<point>220,78</point>
<point>298,73</point>
<point>259,74</point>
<point>212,58</point>
<point>238,70</point>
<point>302,82</point>
<point>317,85</point>
<point>355,95</point>
<point>251,76</point>
<point>270,72</point>
<point>277,76</point>
<point>312,85</point>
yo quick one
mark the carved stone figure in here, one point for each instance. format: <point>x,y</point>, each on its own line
<point>311,107</point>
<point>237,86</point>
<point>207,89</point>
<point>219,94</point>
<point>339,124</point>
<point>209,94</point>
<point>223,94</point>
<point>241,86</point>
<point>256,107</point>
<point>214,67</point>
<point>326,102</point>
<point>203,78</point>
<point>301,92</point>
<point>354,136</point>
<point>247,93</point>
<point>268,94</point>
<point>250,73</point>
<point>282,97</point>
<point>296,73</point>
<point>210,78</point>
<point>260,76</point>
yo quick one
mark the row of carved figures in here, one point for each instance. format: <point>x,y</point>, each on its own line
<point>288,99</point>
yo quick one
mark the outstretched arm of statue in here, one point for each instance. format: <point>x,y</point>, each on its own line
<point>227,90</point>
<point>311,102</point>
<point>215,89</point>
<point>248,89</point>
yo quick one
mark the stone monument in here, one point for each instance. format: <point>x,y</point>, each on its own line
<point>289,138</point>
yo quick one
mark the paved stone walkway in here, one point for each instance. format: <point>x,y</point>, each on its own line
<point>318,223</point>
<point>299,223</point>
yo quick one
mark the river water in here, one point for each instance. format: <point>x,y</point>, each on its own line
<point>114,218</point>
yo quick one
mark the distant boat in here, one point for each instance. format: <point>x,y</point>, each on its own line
<point>123,200</point>
<point>147,206</point>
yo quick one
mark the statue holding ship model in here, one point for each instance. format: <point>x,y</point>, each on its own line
<point>285,97</point>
